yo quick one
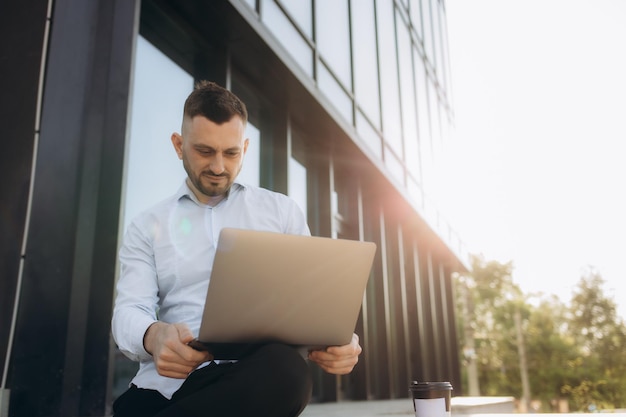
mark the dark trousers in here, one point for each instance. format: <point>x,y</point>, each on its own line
<point>274,380</point>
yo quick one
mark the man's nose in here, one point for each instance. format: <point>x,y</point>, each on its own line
<point>217,164</point>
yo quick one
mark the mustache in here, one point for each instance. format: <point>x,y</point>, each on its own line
<point>213,174</point>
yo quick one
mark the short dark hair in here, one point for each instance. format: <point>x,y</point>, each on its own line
<point>214,102</point>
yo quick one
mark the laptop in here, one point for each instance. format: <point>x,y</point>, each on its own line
<point>267,287</point>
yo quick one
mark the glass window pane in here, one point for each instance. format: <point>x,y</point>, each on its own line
<point>445,56</point>
<point>365,68</point>
<point>390,95</point>
<point>395,167</point>
<point>435,132</point>
<point>301,12</point>
<point>290,38</point>
<point>332,24</point>
<point>428,31</point>
<point>416,17</point>
<point>423,118</point>
<point>407,96</point>
<point>297,188</point>
<point>251,170</point>
<point>438,60</point>
<point>369,135</point>
<point>153,171</point>
<point>416,194</point>
<point>438,143</point>
<point>435,124</point>
<point>335,93</point>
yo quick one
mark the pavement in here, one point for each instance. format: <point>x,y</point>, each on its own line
<point>404,408</point>
<point>398,408</point>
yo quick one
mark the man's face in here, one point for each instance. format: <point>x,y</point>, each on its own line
<point>212,154</point>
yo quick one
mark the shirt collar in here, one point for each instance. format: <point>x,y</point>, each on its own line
<point>185,192</point>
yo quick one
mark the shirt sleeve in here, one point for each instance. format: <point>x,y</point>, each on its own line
<point>295,220</point>
<point>136,301</point>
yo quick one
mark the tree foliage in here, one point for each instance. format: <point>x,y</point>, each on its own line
<point>573,351</point>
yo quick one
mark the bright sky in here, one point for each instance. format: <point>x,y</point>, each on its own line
<point>539,154</point>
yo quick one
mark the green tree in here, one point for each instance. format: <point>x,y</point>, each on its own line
<point>550,350</point>
<point>599,377</point>
<point>488,300</point>
<point>574,351</point>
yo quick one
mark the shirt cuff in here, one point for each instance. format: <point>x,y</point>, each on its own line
<point>136,332</point>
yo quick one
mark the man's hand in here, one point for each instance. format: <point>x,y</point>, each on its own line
<point>167,343</point>
<point>338,360</point>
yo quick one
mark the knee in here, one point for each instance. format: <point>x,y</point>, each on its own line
<point>285,363</point>
<point>287,374</point>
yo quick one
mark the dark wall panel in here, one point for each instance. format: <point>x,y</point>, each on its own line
<point>60,357</point>
<point>22,27</point>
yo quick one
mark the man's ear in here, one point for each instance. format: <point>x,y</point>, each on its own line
<point>177,141</point>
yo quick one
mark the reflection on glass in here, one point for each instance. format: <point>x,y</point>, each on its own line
<point>369,135</point>
<point>437,40</point>
<point>153,170</point>
<point>416,194</point>
<point>395,166</point>
<point>290,38</point>
<point>251,170</point>
<point>365,68</point>
<point>435,132</point>
<point>428,31</point>
<point>390,95</point>
<point>445,70</point>
<point>407,96</point>
<point>332,24</point>
<point>435,136</point>
<point>337,218</point>
<point>297,188</point>
<point>423,112</point>
<point>335,93</point>
<point>301,12</point>
<point>416,17</point>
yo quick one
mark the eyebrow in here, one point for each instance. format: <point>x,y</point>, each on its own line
<point>202,146</point>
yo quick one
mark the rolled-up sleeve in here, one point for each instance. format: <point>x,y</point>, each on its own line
<point>136,301</point>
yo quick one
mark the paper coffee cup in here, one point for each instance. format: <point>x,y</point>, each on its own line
<point>431,399</point>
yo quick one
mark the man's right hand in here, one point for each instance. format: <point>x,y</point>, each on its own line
<point>167,343</point>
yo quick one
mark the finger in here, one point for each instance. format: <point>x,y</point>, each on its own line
<point>179,347</point>
<point>334,365</point>
<point>337,369</point>
<point>342,351</point>
<point>339,351</point>
<point>186,355</point>
<point>337,362</point>
<point>173,369</point>
<point>329,355</point>
<point>350,348</point>
<point>184,334</point>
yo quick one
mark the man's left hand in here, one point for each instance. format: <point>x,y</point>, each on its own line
<point>338,360</point>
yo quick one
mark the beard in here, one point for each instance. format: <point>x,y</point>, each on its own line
<point>205,185</point>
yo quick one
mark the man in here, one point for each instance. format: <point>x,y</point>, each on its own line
<point>166,260</point>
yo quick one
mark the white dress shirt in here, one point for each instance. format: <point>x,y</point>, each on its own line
<point>166,260</point>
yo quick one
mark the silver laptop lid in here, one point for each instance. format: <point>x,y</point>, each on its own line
<point>299,290</point>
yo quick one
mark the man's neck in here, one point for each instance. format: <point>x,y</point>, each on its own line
<point>214,201</point>
<point>211,201</point>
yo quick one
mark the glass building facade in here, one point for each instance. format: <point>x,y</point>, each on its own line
<point>350,111</point>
